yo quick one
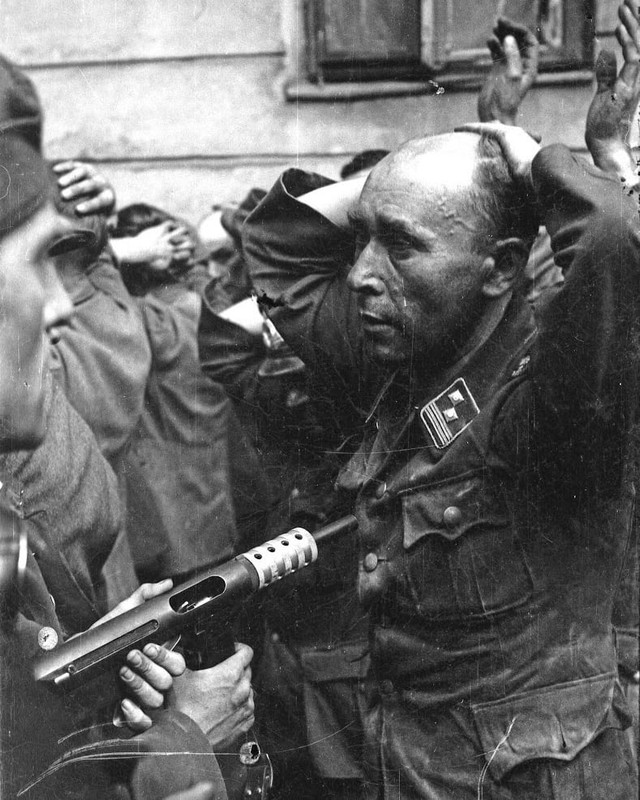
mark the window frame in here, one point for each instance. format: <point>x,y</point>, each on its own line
<point>464,70</point>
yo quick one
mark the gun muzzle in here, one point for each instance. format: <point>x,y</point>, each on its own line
<point>215,593</point>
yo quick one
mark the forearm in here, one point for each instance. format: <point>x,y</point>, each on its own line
<point>299,260</point>
<point>229,354</point>
<point>584,369</point>
<point>175,754</point>
<point>127,250</point>
<point>335,201</point>
<point>617,160</point>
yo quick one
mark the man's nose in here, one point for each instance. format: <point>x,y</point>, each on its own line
<point>364,275</point>
<point>58,307</point>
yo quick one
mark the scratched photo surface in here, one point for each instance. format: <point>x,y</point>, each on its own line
<point>310,419</point>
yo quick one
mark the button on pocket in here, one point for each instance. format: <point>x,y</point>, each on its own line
<point>463,558</point>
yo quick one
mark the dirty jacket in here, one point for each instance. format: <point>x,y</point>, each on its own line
<point>494,510</point>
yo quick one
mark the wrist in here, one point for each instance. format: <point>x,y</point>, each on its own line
<point>126,250</point>
<point>615,158</point>
<point>495,114</point>
<point>335,201</point>
<point>125,253</point>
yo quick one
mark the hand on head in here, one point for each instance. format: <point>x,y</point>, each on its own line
<point>614,104</point>
<point>514,52</point>
<point>157,247</point>
<point>80,180</point>
<point>518,146</point>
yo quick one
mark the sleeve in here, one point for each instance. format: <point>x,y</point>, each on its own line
<point>574,413</point>
<point>102,360</point>
<point>299,263</point>
<point>174,755</point>
<point>228,354</point>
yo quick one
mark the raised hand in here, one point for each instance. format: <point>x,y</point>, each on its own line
<point>616,99</point>
<point>514,52</point>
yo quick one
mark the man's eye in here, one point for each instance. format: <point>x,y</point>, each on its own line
<point>399,246</point>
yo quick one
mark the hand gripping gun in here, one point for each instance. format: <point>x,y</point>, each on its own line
<point>199,610</point>
<point>199,614</point>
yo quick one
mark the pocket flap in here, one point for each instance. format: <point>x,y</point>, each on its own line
<point>346,661</point>
<point>451,508</point>
<point>553,722</point>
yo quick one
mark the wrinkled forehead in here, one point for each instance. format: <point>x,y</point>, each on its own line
<point>434,166</point>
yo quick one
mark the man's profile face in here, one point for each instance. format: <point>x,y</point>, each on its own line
<point>417,279</point>
<point>32,303</point>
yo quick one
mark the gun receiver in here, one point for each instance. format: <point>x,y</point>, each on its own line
<point>204,601</point>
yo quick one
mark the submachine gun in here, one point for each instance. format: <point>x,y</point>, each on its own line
<point>200,612</point>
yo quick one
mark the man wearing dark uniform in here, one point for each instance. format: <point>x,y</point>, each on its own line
<point>492,481</point>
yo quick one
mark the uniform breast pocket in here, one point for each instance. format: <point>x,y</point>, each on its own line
<point>462,557</point>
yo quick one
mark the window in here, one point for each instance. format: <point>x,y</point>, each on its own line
<point>369,41</point>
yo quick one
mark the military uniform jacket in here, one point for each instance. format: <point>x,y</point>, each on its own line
<point>494,507</point>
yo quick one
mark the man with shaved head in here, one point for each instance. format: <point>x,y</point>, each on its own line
<point>452,199</point>
<point>492,481</point>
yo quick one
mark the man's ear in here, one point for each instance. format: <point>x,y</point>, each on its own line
<point>503,268</point>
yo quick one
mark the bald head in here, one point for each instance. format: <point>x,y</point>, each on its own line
<point>468,178</point>
<point>439,227</point>
<point>447,158</point>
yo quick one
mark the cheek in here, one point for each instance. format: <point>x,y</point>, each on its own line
<point>21,332</point>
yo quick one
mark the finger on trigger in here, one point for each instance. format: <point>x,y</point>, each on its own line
<point>512,56</point>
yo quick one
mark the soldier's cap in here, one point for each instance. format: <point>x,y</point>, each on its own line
<point>24,180</point>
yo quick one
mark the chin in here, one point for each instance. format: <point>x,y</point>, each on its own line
<point>385,356</point>
<point>24,433</point>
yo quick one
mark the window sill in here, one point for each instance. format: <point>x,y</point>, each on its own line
<point>305,91</point>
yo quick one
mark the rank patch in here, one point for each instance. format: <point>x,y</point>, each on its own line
<point>448,414</point>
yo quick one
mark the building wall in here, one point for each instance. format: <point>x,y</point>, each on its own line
<point>182,101</point>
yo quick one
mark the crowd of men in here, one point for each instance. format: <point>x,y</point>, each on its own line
<point>443,343</point>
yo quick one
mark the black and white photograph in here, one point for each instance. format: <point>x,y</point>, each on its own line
<point>319,399</point>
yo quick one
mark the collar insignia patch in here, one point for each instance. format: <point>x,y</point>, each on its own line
<point>448,414</point>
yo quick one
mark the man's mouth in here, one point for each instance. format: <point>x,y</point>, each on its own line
<point>370,320</point>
